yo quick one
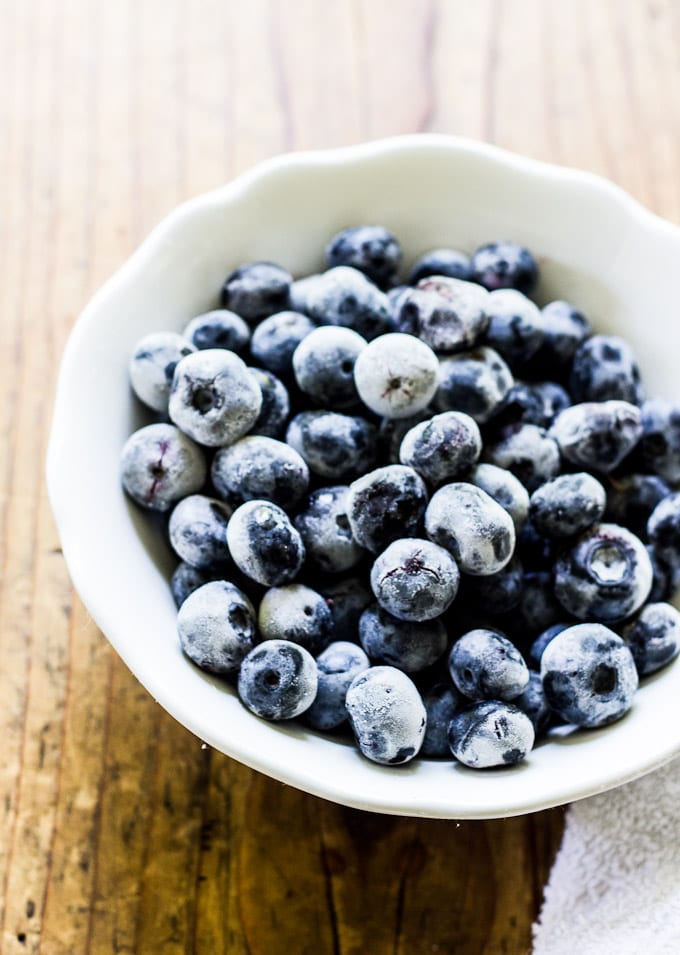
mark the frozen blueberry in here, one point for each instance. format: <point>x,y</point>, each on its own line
<point>497,593</point>
<point>387,715</point>
<point>216,627</point>
<point>589,675</point>
<point>185,579</point>
<point>447,314</point>
<point>393,294</point>
<point>215,398</point>
<point>448,262</point>
<point>152,366</point>
<point>335,446</point>
<point>529,452</point>
<point>326,532</point>
<point>409,645</point>
<point>533,702</point>
<point>276,338</point>
<point>475,382</point>
<point>653,637</point>
<point>370,248</point>
<point>542,641</point>
<point>396,375</point>
<point>296,613</point>
<point>663,530</point>
<point>198,530</point>
<point>260,468</point>
<point>538,608</point>
<point>415,579</point>
<point>505,489</point>
<point>515,328</point>
<point>264,544</point>
<point>472,526</point>
<point>443,448</point>
<point>218,329</point>
<point>597,435</point>
<point>567,505</point>
<point>659,446</point>
<point>160,465</point>
<point>275,406</point>
<point>536,403</point>
<point>278,680</point>
<point>343,296</point>
<point>564,328</point>
<point>323,364</point>
<point>393,430</point>
<point>632,498</point>
<point>441,703</point>
<point>606,576</point>
<point>485,665</point>
<point>336,668</point>
<point>665,577</point>
<point>256,290</point>
<point>605,369</point>
<point>491,733</point>
<point>502,265</point>
<point>347,599</point>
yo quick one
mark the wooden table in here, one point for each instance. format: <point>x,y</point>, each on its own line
<point>120,832</point>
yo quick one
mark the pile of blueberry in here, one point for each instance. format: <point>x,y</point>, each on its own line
<point>431,510</point>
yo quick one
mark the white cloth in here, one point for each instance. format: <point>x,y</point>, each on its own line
<point>615,886</point>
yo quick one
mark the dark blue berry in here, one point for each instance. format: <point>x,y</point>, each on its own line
<point>567,505</point>
<point>276,338</point>
<point>387,715</point>
<point>485,665</point>
<point>659,447</point>
<point>597,435</point>
<point>515,328</point>
<point>441,704</point>
<point>347,599</point>
<point>605,369</point>
<point>536,403</point>
<point>344,296</point>
<point>663,531</point>
<point>653,637</point>
<point>275,405</point>
<point>528,451</point>
<point>296,613</point>
<point>475,382</point>
<point>337,667</point>
<point>490,733</point>
<point>260,468</point>
<point>216,627</point>
<point>564,329</point>
<point>198,530</point>
<point>448,314</point>
<point>410,646</point>
<point>533,702</point>
<point>415,579</point>
<point>385,505</point>
<point>442,448</point>
<point>497,593</point>
<point>278,680</point>
<point>335,446</point>
<point>370,248</point>
<point>264,544</point>
<point>501,265</point>
<point>326,531</point>
<point>542,641</point>
<point>632,498</point>
<point>323,364</point>
<point>256,290</point>
<point>448,262</point>
<point>185,579</point>
<point>218,329</point>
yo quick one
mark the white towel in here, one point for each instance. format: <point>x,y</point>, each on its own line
<point>615,884</point>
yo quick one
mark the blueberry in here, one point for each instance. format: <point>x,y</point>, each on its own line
<point>490,733</point>
<point>326,532</point>
<point>653,637</point>
<point>564,329</point>
<point>497,593</point>
<point>260,468</point>
<point>343,296</point>
<point>665,577</point>
<point>347,599</point>
<point>256,290</point>
<point>396,375</point>
<point>443,448</point>
<point>663,530</point>
<point>501,265</point>
<point>441,703</point>
<point>160,465</point>
<point>447,314</point>
<point>323,364</point>
<point>597,435</point>
<point>215,398</point>
<point>606,576</point>
<point>337,667</point>
<point>448,262</point>
<point>278,680</point>
<point>567,505</point>
<point>387,715</point>
<point>542,641</point>
<point>472,526</point>
<point>538,608</point>
<point>185,579</point>
<point>485,665</point>
<point>605,369</point>
<point>536,403</point>
<point>393,294</point>
<point>475,382</point>
<point>335,446</point>
<point>370,248</point>
<point>198,530</point>
<point>152,366</point>
<point>415,579</point>
<point>392,431</point>
<point>264,544</point>
<point>528,451</point>
<point>218,329</point>
<point>515,328</point>
<point>505,489</point>
<point>589,675</point>
<point>632,498</point>
<point>216,627</point>
<point>275,406</point>
<point>410,646</point>
<point>534,550</point>
<point>296,613</point>
<point>659,446</point>
<point>533,702</point>
<point>276,338</point>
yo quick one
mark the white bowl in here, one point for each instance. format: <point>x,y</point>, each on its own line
<point>596,247</point>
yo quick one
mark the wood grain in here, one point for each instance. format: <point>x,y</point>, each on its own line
<point>120,833</point>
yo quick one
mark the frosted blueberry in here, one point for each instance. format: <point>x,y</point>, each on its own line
<point>505,489</point>
<point>185,579</point>
<point>536,402</point>
<point>278,680</point>
<point>275,406</point>
<point>216,627</point>
<point>472,526</point>
<point>370,248</point>
<point>542,641</point>
<point>475,382</point>
<point>604,369</point>
<point>589,675</point>
<point>567,505</point>
<point>276,338</point>
<point>564,328</point>
<point>396,375</point>
<point>447,314</point>
<point>410,646</point>
<point>443,448</point>
<point>343,296</point>
<point>515,326</point>
<point>218,329</point>
<point>485,665</point>
<point>659,447</point>
<point>325,530</point>
<point>323,364</point>
<point>152,366</point>
<point>256,290</point>
<point>415,579</point>
<point>296,613</point>
<point>653,637</point>
<point>497,593</point>
<point>663,530</point>
<point>386,504</point>
<point>631,498</point>
<point>597,435</point>
<point>215,398</point>
<point>491,733</point>
<point>257,467</point>
<point>387,715</point>
<point>335,446</point>
<point>501,265</point>
<point>336,668</point>
<point>441,703</point>
<point>448,262</point>
<point>264,544</point>
<point>347,599</point>
<point>528,451</point>
<point>533,702</point>
<point>392,431</point>
<point>198,530</point>
<point>160,465</point>
<point>665,577</point>
<point>538,607</point>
